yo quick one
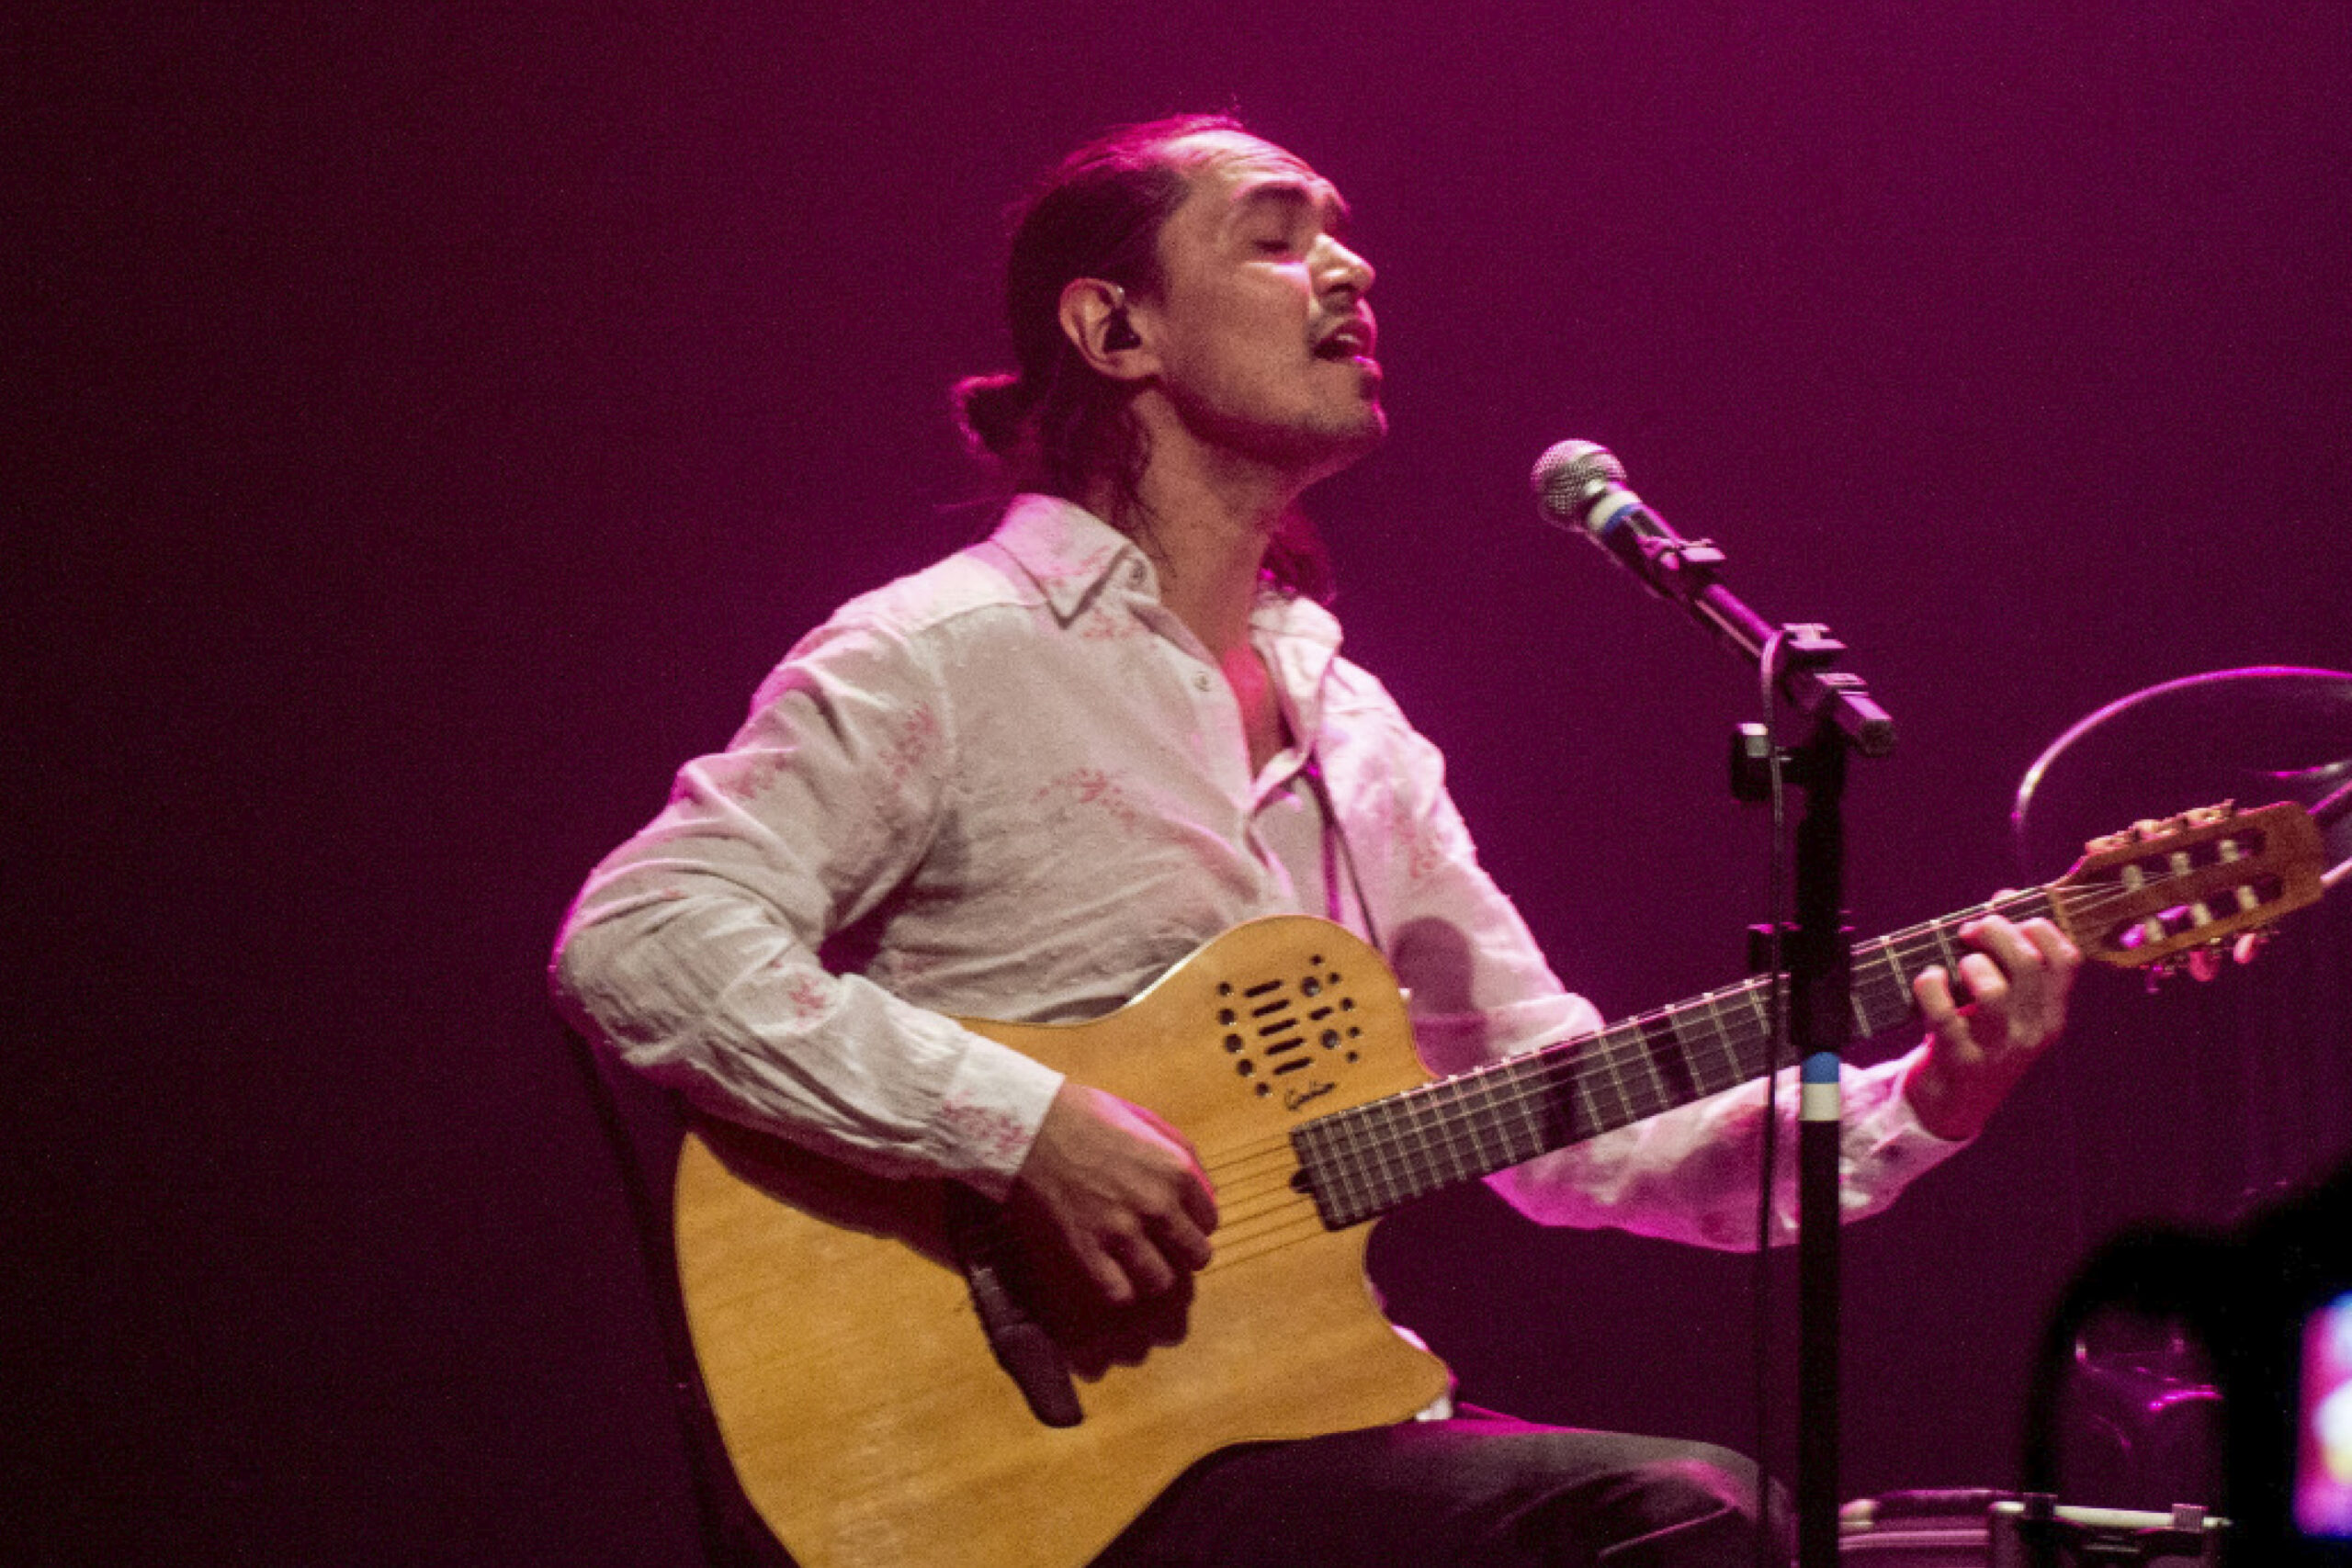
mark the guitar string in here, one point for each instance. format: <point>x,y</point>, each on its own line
<point>1435,1120</point>
<point>1375,1133</point>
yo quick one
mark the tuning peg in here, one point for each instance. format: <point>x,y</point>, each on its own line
<point>2205,961</point>
<point>2149,829</point>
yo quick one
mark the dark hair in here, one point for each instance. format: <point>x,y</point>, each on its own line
<point>1056,425</point>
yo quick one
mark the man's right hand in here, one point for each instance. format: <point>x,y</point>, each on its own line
<point>1122,1190</point>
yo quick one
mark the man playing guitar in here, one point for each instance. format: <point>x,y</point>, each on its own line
<point>1022,784</point>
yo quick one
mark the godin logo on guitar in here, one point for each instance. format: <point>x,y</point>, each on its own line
<point>1298,1098</point>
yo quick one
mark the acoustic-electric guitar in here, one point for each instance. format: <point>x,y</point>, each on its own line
<point>902,1383</point>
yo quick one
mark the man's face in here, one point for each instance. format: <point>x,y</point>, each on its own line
<point>1264,340</point>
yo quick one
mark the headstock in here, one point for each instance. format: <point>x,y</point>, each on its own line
<point>2160,889</point>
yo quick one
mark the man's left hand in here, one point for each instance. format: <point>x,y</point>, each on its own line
<point>2016,981</point>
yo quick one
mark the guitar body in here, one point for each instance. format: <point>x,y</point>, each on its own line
<point>869,1421</point>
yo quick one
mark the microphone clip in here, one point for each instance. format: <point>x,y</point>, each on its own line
<point>1676,568</point>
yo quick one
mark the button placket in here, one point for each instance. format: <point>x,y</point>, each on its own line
<point>1217,717</point>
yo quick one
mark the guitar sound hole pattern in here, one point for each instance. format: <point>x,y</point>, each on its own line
<point>1288,1033</point>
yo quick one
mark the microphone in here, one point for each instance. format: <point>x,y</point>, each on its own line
<point>1581,487</point>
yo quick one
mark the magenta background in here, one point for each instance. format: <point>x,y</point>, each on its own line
<point>430,424</point>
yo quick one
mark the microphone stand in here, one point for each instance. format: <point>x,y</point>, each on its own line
<point>1817,974</point>
<point>1814,969</point>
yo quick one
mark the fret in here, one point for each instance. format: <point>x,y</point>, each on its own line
<point>1486,1123</point>
<point>1556,1098</point>
<point>1490,1106</point>
<point>1366,1179</point>
<point>1530,1098</point>
<point>2034,904</point>
<point>1333,1184</point>
<point>1418,1147</point>
<point>1444,1115</point>
<point>1655,1040</point>
<point>1426,1148</point>
<point>1698,1028</point>
<point>1572,1108</point>
<point>1713,1060</point>
<point>1599,1073</point>
<point>1379,1151</point>
<point>1670,1067</point>
<point>1899,974</point>
<point>1882,999</point>
<point>1747,1036</point>
<point>1527,1136</point>
<point>1739,1018</point>
<point>1363,1194</point>
<point>1947,953</point>
<point>1387,1163</point>
<point>1336,1180</point>
<point>1535,1083</point>
<point>1506,1109</point>
<point>1757,993</point>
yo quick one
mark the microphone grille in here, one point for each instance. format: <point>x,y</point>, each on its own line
<point>1569,475</point>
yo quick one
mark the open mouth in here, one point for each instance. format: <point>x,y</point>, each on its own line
<point>1350,342</point>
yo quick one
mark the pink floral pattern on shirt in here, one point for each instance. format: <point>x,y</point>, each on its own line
<point>1093,789</point>
<point>1409,840</point>
<point>990,1136</point>
<point>913,747</point>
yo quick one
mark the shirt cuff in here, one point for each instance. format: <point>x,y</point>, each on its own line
<point>1902,1118</point>
<point>990,1115</point>
<point>1888,1145</point>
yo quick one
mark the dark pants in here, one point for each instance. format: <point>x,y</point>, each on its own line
<point>1481,1491</point>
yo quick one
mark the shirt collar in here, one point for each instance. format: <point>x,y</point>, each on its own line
<point>1070,553</point>
<point>1072,556</point>
<point>1300,639</point>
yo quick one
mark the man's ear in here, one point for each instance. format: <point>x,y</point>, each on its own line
<point>1095,318</point>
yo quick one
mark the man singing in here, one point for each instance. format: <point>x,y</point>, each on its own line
<point>1022,784</point>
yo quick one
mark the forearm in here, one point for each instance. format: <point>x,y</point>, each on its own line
<point>690,980</point>
<point>1690,1175</point>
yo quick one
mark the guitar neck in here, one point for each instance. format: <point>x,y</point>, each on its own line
<point>1364,1162</point>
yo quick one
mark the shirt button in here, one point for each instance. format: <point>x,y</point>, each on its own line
<point>1201,681</point>
<point>1134,573</point>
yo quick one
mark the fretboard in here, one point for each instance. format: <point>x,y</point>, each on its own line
<point>1362,1163</point>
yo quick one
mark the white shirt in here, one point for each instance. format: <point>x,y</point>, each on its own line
<point>1014,785</point>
